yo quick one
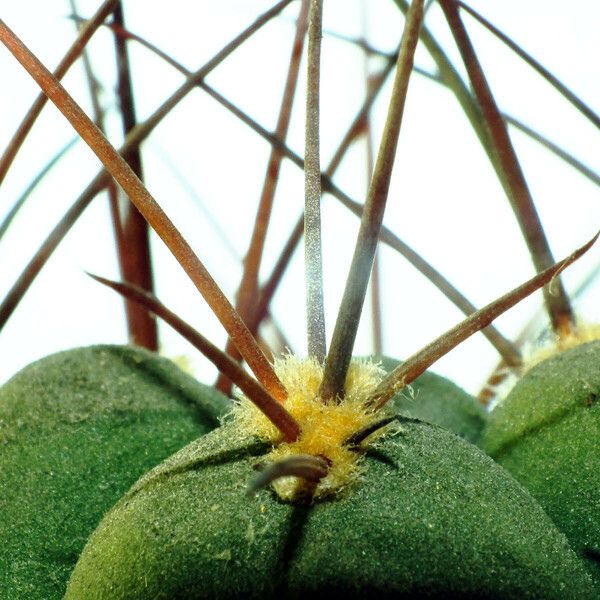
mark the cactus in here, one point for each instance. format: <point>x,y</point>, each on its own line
<point>360,491</point>
<point>546,434</point>
<point>78,429</point>
<point>412,527</point>
<point>438,400</point>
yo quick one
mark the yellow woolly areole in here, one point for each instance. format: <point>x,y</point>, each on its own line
<point>537,352</point>
<point>324,427</point>
<point>581,334</point>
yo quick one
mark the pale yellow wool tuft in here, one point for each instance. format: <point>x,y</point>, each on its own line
<point>581,334</point>
<point>324,427</point>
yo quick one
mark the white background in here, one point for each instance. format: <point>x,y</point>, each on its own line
<point>445,200</point>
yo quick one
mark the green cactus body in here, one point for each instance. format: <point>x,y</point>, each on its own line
<point>430,516</point>
<point>76,430</point>
<point>438,400</point>
<point>547,434</point>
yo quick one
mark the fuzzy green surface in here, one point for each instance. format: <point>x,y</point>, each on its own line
<point>438,400</point>
<point>76,430</point>
<point>432,516</point>
<point>547,434</point>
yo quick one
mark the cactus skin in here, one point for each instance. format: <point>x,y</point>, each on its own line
<point>547,434</point>
<point>438,400</point>
<point>76,430</point>
<point>432,516</point>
